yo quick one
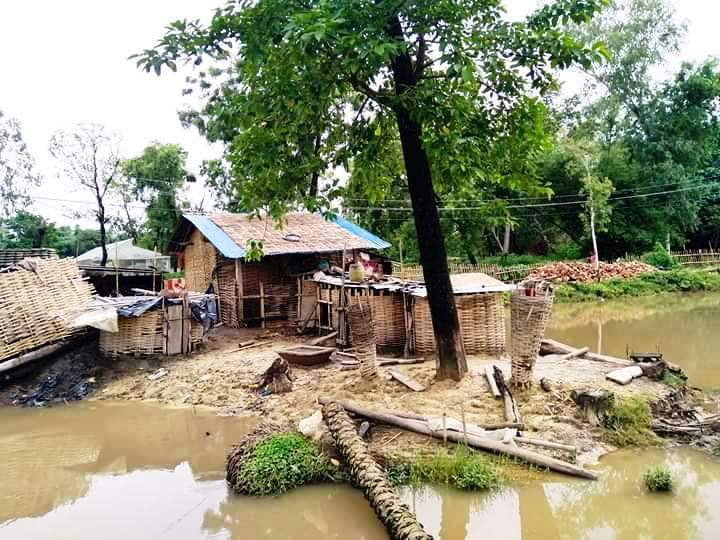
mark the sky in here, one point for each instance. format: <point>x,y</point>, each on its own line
<point>62,63</point>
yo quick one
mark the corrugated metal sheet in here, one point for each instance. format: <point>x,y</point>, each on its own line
<point>216,235</point>
<point>376,241</point>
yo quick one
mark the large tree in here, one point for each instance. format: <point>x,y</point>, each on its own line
<point>297,88</point>
<point>16,167</point>
<point>89,156</point>
<point>155,177</point>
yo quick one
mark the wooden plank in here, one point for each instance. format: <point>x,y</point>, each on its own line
<point>625,375</point>
<point>407,380</point>
<point>576,353</point>
<point>381,361</point>
<point>174,329</point>
<point>491,381</point>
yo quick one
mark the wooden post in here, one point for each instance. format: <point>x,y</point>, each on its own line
<point>117,272</point>
<point>239,291</point>
<point>262,306</point>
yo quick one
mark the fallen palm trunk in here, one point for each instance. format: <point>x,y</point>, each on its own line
<point>495,447</point>
<point>400,523</point>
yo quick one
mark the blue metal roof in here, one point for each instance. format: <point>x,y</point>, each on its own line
<point>216,235</point>
<point>358,231</point>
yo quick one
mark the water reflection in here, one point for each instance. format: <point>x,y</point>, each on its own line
<point>682,327</point>
<point>128,471</point>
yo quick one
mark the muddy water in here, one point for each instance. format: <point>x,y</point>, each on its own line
<point>683,327</point>
<point>121,471</point>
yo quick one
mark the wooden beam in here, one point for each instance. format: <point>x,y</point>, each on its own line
<point>488,445</point>
<point>407,380</point>
<point>491,381</point>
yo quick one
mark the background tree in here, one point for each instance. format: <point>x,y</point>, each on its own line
<point>16,167</point>
<point>307,86</point>
<point>155,177</point>
<point>90,157</point>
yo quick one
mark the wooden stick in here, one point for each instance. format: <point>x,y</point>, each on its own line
<point>262,306</point>
<point>381,361</point>
<point>491,381</point>
<point>407,380</point>
<point>546,444</point>
<point>323,339</point>
<point>472,440</point>
<point>575,353</point>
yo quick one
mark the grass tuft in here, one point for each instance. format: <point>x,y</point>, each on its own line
<point>283,462</point>
<point>658,479</point>
<point>674,380</point>
<point>628,423</point>
<point>462,469</point>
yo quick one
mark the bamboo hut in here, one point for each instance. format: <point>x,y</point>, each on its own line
<point>211,249</point>
<point>153,325</point>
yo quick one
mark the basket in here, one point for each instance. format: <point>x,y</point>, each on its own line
<point>530,309</point>
<point>362,335</point>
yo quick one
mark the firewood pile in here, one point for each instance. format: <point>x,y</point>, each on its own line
<point>585,271</point>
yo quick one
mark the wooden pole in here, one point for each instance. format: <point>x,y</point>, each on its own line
<point>262,305</point>
<point>239,289</point>
<point>474,441</point>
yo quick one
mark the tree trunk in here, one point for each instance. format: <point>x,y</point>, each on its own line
<point>400,523</point>
<point>450,352</point>
<point>506,240</point>
<point>103,233</point>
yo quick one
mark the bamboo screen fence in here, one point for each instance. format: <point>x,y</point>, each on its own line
<point>482,323</point>
<point>35,306</point>
<point>388,316</point>
<point>508,274</point>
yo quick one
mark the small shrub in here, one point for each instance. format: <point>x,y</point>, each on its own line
<point>567,251</point>
<point>281,463</point>
<point>660,258</point>
<point>628,423</point>
<point>462,469</point>
<point>672,379</point>
<point>658,479</point>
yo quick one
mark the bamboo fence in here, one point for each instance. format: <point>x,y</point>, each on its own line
<point>700,257</point>
<point>388,316</point>
<point>508,274</point>
<point>36,306</point>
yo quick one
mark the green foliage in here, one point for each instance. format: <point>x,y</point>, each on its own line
<point>155,177</point>
<point>566,251</point>
<point>628,422</point>
<point>658,478</point>
<point>254,251</point>
<point>660,258</point>
<point>17,167</point>
<point>281,463</point>
<point>674,380</point>
<point>678,280</point>
<point>461,468</point>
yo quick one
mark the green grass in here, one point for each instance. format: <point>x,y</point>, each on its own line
<point>628,423</point>
<point>658,479</point>
<point>461,468</point>
<point>283,462</point>
<point>671,379</point>
<point>677,280</point>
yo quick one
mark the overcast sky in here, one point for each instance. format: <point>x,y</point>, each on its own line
<point>64,62</point>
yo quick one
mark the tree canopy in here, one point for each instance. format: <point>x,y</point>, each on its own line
<point>17,173</point>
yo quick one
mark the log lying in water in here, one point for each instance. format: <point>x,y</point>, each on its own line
<point>400,523</point>
<point>495,447</point>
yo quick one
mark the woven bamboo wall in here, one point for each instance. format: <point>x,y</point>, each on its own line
<point>136,336</point>
<point>35,306</point>
<point>227,293</point>
<point>482,323</point>
<point>389,320</point>
<point>200,260</point>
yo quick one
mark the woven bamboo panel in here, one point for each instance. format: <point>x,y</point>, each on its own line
<point>136,336</point>
<point>227,292</point>
<point>8,257</point>
<point>35,307</point>
<point>528,318</point>
<point>363,336</point>
<point>482,324</point>
<point>388,316</point>
<point>200,260</point>
<point>197,334</point>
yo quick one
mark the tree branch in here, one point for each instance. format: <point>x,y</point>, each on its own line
<point>420,57</point>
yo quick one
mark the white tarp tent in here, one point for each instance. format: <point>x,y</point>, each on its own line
<point>125,254</point>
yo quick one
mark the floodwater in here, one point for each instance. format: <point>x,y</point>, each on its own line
<point>129,471</point>
<point>683,327</point>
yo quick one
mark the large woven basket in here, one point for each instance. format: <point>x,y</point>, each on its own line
<point>528,319</point>
<point>362,335</point>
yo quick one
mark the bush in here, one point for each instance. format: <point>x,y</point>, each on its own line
<point>660,258</point>
<point>658,479</point>
<point>567,251</point>
<point>462,469</point>
<point>283,462</point>
<point>628,423</point>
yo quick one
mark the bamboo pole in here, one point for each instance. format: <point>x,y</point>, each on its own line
<point>474,441</point>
